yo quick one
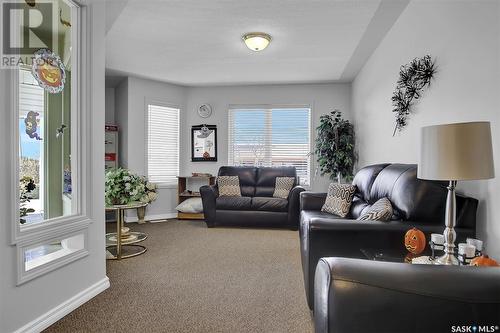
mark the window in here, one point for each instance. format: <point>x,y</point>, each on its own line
<point>163,144</point>
<point>271,137</point>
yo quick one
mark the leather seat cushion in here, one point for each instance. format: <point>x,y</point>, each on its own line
<point>233,203</point>
<point>266,179</point>
<point>246,175</point>
<point>269,204</point>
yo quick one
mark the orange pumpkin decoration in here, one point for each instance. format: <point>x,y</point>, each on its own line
<point>415,241</point>
<point>484,260</point>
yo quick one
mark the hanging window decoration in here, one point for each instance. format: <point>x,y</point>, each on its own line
<point>413,78</point>
<point>48,70</point>
<point>31,123</point>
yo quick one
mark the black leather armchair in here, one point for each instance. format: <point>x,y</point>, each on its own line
<point>417,203</point>
<point>353,295</point>
<point>256,207</point>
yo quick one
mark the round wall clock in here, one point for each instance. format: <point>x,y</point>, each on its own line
<point>205,110</point>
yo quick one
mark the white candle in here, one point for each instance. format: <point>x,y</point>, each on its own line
<point>466,249</point>
<point>437,239</point>
<point>476,242</point>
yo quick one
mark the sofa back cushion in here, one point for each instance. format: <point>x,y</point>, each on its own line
<point>266,179</point>
<point>247,176</point>
<point>364,180</point>
<point>412,199</point>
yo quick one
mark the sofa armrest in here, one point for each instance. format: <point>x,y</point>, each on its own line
<point>353,295</point>
<point>209,194</point>
<point>312,200</point>
<point>294,206</point>
<point>331,236</point>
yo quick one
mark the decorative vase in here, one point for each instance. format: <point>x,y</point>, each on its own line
<point>141,213</point>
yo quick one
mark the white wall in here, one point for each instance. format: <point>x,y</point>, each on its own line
<point>121,119</point>
<point>131,98</point>
<point>321,97</point>
<point>23,305</point>
<point>110,105</point>
<point>463,37</point>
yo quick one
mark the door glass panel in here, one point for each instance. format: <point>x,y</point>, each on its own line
<point>44,122</point>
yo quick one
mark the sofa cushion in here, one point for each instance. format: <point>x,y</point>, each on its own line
<point>233,203</point>
<point>379,211</point>
<point>411,198</point>
<point>283,187</point>
<point>269,204</point>
<point>247,176</point>
<point>266,179</point>
<point>357,207</point>
<point>364,180</point>
<point>339,199</point>
<point>229,186</point>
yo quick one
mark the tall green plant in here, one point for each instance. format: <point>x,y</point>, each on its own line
<point>335,146</point>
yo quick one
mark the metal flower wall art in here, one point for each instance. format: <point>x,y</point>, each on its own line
<point>413,78</point>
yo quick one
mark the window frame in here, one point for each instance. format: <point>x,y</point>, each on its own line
<point>24,236</point>
<point>309,106</point>
<point>161,103</point>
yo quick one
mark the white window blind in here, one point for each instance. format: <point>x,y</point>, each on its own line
<point>271,137</point>
<point>163,144</point>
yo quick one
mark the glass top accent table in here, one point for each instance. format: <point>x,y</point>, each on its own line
<point>392,255</point>
<point>123,243</point>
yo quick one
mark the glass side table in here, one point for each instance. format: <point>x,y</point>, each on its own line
<point>394,255</point>
<point>123,243</point>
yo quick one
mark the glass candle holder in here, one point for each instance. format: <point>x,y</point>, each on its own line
<point>477,243</point>
<point>466,252</point>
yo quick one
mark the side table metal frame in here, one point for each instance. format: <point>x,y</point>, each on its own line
<point>120,219</point>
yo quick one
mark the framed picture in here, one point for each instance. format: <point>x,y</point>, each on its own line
<point>204,143</point>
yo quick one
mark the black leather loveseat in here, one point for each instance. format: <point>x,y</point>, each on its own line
<point>353,295</point>
<point>416,203</point>
<point>256,206</point>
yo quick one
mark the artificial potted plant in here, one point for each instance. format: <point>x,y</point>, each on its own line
<point>335,146</point>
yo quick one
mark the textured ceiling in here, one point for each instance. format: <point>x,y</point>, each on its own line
<point>198,42</point>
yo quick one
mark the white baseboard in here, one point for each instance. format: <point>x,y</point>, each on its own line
<point>49,318</point>
<point>152,218</point>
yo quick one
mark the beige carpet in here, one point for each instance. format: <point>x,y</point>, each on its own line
<point>195,279</point>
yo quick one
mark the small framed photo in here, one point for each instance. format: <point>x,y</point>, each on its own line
<point>204,143</point>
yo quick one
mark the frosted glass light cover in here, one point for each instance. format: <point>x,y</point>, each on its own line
<point>257,41</point>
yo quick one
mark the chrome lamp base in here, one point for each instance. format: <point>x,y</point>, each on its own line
<point>449,232</point>
<point>446,259</point>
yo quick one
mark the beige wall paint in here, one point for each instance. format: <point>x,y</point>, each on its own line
<point>463,37</point>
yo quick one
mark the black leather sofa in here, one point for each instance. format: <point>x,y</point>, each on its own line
<point>256,207</point>
<point>416,203</point>
<point>353,295</point>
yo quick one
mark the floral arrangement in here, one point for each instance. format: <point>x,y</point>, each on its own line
<point>26,186</point>
<point>123,187</point>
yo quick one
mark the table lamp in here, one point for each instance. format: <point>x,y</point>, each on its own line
<point>453,152</point>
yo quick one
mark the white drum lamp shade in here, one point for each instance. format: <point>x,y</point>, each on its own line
<point>454,152</point>
<point>461,151</point>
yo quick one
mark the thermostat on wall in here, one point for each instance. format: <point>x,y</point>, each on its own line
<point>205,110</point>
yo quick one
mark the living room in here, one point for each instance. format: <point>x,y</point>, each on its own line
<point>279,157</point>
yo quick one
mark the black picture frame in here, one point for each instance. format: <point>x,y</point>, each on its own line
<point>198,154</point>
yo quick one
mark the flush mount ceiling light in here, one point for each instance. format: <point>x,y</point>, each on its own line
<point>256,41</point>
